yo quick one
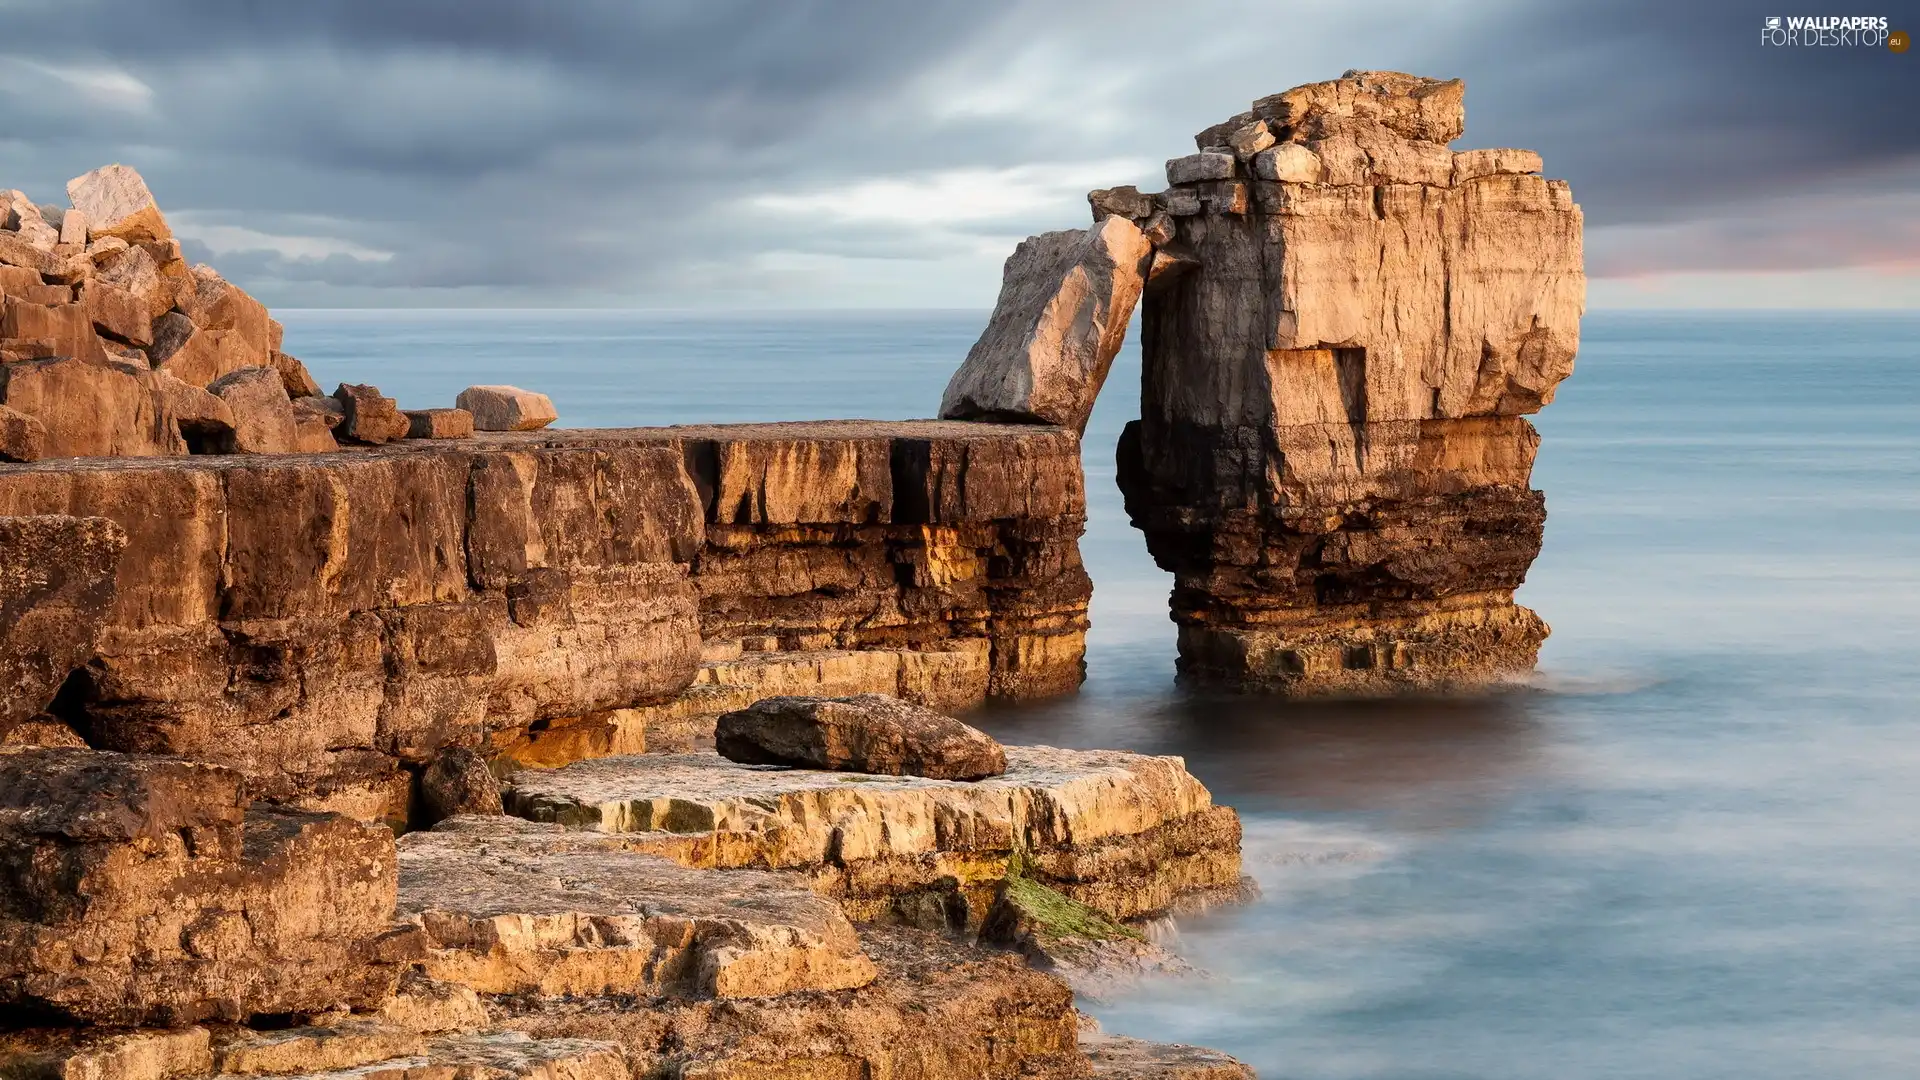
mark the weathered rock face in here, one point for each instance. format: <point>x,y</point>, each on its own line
<point>140,890</point>
<point>1129,835</point>
<point>1062,316</point>
<point>317,623</point>
<point>1330,457</point>
<point>866,733</point>
<point>56,593</point>
<point>89,407</point>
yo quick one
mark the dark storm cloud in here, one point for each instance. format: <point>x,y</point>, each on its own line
<point>508,151</point>
<point>1658,109</point>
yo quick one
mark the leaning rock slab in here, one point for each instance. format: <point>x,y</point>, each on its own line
<point>1065,301</point>
<point>507,408</point>
<point>868,733</point>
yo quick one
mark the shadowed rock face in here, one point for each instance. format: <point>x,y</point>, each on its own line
<point>56,592</point>
<point>1331,457</point>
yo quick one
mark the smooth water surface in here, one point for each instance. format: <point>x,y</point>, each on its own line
<point>1693,857</point>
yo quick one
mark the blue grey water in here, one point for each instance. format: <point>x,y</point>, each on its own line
<point>1693,855</point>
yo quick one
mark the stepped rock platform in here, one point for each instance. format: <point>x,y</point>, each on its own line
<point>1126,834</point>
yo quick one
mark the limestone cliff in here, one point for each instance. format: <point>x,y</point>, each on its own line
<point>324,624</point>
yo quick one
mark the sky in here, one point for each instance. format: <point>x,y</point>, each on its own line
<point>889,153</point>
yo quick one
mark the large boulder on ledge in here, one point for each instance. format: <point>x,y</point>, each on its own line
<point>867,733</point>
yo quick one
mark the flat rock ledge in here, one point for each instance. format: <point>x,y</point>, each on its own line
<point>1129,835</point>
<point>510,906</point>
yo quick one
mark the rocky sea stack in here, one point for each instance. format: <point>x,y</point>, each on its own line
<point>1344,324</point>
<point>342,739</point>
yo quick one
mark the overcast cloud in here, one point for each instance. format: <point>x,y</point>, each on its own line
<point>856,153</point>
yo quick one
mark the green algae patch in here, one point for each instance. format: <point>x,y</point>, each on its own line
<point>1056,915</point>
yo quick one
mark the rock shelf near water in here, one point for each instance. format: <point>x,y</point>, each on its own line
<point>1127,834</point>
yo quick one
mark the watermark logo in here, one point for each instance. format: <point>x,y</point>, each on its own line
<point>1831,31</point>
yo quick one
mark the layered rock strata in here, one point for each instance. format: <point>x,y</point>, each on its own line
<point>1128,835</point>
<point>1331,457</point>
<point>509,907</point>
<point>325,624</point>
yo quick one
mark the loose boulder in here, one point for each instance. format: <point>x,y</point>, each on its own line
<point>116,202</point>
<point>867,733</point>
<point>263,418</point>
<point>368,417</point>
<point>1065,301</point>
<point>507,408</point>
<point>458,782</point>
<point>439,424</point>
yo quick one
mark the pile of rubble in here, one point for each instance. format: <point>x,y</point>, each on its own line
<point>111,346</point>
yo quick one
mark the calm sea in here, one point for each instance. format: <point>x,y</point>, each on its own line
<point>1695,855</point>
